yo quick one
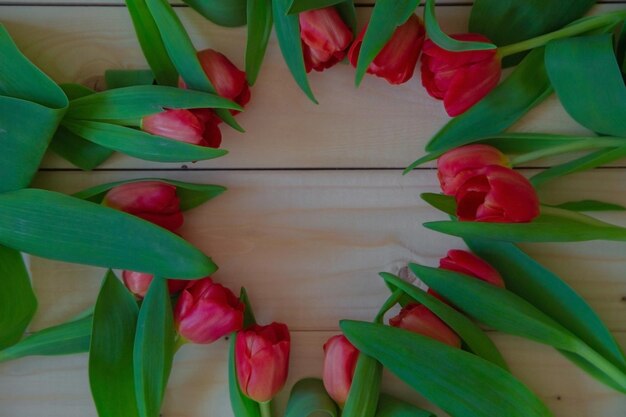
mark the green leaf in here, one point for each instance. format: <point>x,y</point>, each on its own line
<point>460,383</point>
<point>139,101</point>
<point>473,337</point>
<point>191,195</point>
<point>31,108</point>
<point>590,205</point>
<point>389,406</point>
<point>386,17</point>
<point>229,13</point>
<point>347,11</point>
<point>440,38</point>
<point>530,280</point>
<point>64,339</point>
<point>151,43</point>
<point>128,78</point>
<point>621,49</point>
<point>527,86</point>
<point>308,398</point>
<point>365,389</point>
<point>510,21</point>
<point>441,202</point>
<point>140,144</point>
<point>288,34</point>
<point>260,21</point>
<point>111,350</point>
<point>588,81</point>
<point>248,314</point>
<point>183,54</point>
<point>36,222</point>
<point>299,6</point>
<point>17,299</point>
<point>242,406</point>
<point>154,348</point>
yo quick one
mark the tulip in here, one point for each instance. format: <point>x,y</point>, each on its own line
<point>419,319</point>
<point>325,38</point>
<point>460,164</point>
<point>207,311</point>
<point>262,360</point>
<point>340,358</point>
<point>467,263</point>
<point>153,201</point>
<point>178,124</point>
<point>139,282</point>
<point>497,195</point>
<point>397,60</point>
<point>460,79</point>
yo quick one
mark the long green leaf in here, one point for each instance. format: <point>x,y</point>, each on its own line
<point>389,406</point>
<point>140,144</point>
<point>589,83</point>
<point>475,339</point>
<point>260,21</point>
<point>590,205</point>
<point>365,389</point>
<point>31,108</point>
<point>17,299</point>
<point>440,38</point>
<point>299,6</point>
<point>151,43</point>
<point>308,398</point>
<point>288,34</point>
<point>142,100</point>
<point>527,86</point>
<point>154,349</point>
<point>386,17</point>
<point>460,383</point>
<point>183,54</point>
<point>530,280</point>
<point>127,78</point>
<point>111,350</point>
<point>36,221</point>
<point>510,21</point>
<point>229,13</point>
<point>64,339</point>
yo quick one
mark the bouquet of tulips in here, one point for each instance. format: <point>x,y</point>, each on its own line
<point>174,111</point>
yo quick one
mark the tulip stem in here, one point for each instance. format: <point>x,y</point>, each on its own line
<point>266,409</point>
<point>577,145</point>
<point>581,26</point>
<point>179,342</point>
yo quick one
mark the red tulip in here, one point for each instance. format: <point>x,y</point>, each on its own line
<point>419,319</point>
<point>460,79</point>
<point>153,201</point>
<point>228,80</point>
<point>467,263</point>
<point>340,358</point>
<point>206,311</point>
<point>262,360</point>
<point>497,195</point>
<point>325,38</point>
<point>139,282</point>
<point>460,164</point>
<point>177,124</point>
<point>397,60</point>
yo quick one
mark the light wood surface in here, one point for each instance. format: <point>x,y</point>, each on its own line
<point>309,219</point>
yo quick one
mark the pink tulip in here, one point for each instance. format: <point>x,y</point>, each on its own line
<point>460,164</point>
<point>340,358</point>
<point>497,195</point>
<point>460,79</point>
<point>262,360</point>
<point>178,124</point>
<point>325,38</point>
<point>206,311</point>
<point>139,282</point>
<point>397,60</point>
<point>153,201</point>
<point>467,263</point>
<point>417,318</point>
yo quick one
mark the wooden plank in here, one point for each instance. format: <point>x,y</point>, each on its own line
<point>308,245</point>
<point>58,387</point>
<point>375,126</point>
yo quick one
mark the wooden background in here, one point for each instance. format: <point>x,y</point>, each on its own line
<point>316,207</point>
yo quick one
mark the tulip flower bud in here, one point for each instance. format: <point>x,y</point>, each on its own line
<point>178,124</point>
<point>325,38</point>
<point>497,195</point>
<point>139,282</point>
<point>153,201</point>
<point>262,360</point>
<point>460,164</point>
<point>460,79</point>
<point>340,358</point>
<point>206,311</point>
<point>417,318</point>
<point>467,263</point>
<point>397,60</point>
